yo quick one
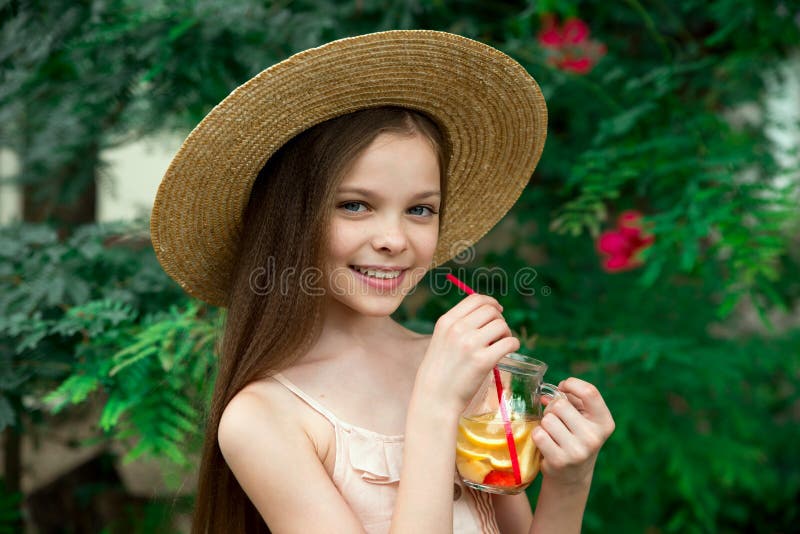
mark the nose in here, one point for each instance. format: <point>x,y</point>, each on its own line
<point>390,236</point>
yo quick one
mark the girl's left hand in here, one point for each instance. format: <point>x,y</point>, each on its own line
<point>571,433</point>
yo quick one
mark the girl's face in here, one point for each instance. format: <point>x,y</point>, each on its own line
<point>385,224</point>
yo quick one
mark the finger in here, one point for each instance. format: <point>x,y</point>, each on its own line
<point>549,448</point>
<point>468,305</point>
<point>481,316</point>
<point>548,401</point>
<point>494,331</point>
<point>556,428</point>
<point>572,418</point>
<point>498,349</point>
<point>575,401</point>
<point>594,407</point>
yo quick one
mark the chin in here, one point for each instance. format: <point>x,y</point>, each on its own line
<point>376,308</point>
<point>378,313</point>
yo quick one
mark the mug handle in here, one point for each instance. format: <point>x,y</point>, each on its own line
<point>549,390</point>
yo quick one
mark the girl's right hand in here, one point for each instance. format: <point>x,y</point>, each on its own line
<point>467,342</point>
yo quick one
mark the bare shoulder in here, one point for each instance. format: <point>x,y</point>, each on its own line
<point>266,409</point>
<point>256,405</point>
<point>255,415</point>
<point>277,465</point>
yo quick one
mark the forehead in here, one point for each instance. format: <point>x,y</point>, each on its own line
<point>398,162</point>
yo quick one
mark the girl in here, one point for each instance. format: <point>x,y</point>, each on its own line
<point>309,203</point>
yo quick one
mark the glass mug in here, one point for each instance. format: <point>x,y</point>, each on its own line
<point>483,456</point>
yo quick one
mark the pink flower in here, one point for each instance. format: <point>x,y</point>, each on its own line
<point>551,37</point>
<point>622,245</point>
<point>617,264</point>
<point>614,243</point>
<point>575,31</point>
<point>568,47</point>
<point>580,66</point>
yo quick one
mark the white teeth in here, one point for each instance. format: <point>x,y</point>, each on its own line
<point>378,274</point>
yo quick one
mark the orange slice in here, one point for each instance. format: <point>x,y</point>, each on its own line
<point>474,470</point>
<point>529,458</point>
<point>500,459</point>
<point>486,431</point>
<point>469,452</point>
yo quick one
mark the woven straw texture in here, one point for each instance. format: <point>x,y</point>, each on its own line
<point>491,110</point>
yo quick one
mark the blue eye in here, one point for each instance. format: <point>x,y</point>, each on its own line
<point>351,204</point>
<point>347,206</point>
<point>425,208</point>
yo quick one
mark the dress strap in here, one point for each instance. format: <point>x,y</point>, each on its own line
<point>307,398</point>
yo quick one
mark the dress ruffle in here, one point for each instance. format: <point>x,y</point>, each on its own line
<point>378,461</point>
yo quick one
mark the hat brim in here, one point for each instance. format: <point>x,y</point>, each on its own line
<point>491,111</point>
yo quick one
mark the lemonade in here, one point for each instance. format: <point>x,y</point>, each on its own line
<point>482,455</point>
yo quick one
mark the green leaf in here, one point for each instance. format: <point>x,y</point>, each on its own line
<point>74,390</point>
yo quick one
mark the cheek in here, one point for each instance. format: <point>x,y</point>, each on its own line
<point>340,240</point>
<point>428,241</point>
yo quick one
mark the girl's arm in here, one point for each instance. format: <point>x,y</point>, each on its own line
<point>572,436</point>
<point>277,465</point>
<point>425,494</point>
<point>466,343</point>
<point>560,507</point>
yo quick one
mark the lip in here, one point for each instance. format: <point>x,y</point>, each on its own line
<point>378,283</point>
<point>383,267</point>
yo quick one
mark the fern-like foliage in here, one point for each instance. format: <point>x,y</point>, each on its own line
<point>94,317</point>
<point>155,386</point>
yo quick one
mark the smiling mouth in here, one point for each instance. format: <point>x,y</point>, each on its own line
<point>378,274</point>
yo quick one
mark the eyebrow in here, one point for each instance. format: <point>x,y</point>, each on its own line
<point>367,193</point>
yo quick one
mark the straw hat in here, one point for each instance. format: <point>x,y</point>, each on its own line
<point>490,109</point>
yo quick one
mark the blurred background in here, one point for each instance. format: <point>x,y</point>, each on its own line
<point>660,235</point>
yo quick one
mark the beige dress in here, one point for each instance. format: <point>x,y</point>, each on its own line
<point>367,473</point>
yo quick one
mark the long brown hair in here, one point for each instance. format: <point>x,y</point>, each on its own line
<point>285,230</point>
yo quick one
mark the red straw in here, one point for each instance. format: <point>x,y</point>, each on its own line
<point>512,447</point>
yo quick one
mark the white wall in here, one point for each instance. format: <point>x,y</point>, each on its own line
<point>783,116</point>
<point>128,188</point>
<point>10,198</point>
